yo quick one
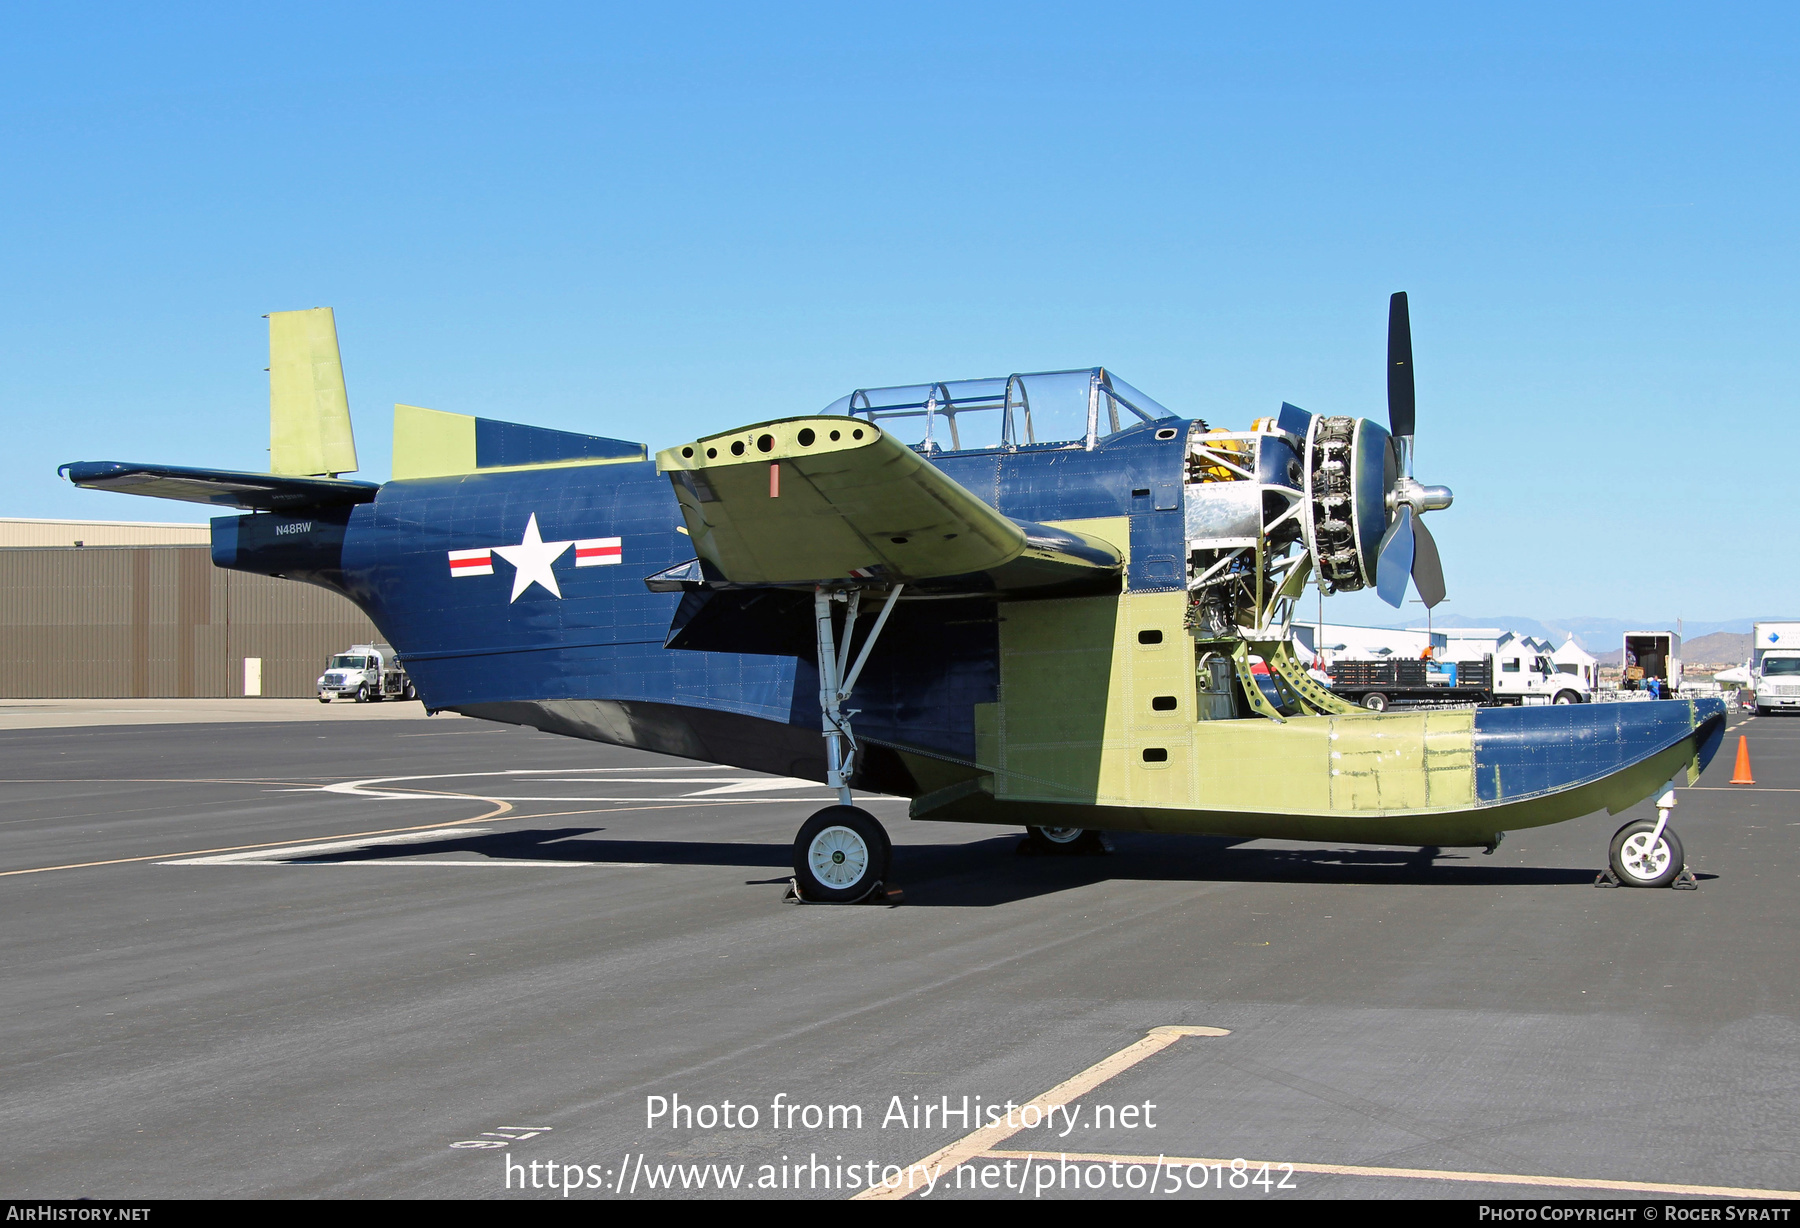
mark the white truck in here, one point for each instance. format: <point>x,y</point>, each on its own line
<point>365,673</point>
<point>1525,673</point>
<point>1376,667</point>
<point>1775,666</point>
<point>1651,657</point>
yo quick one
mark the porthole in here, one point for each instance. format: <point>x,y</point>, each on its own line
<point>765,443</point>
<point>712,453</point>
<point>687,452</point>
<point>1168,432</point>
<point>737,449</point>
<point>806,437</point>
<point>836,435</point>
<point>1163,703</point>
<point>1150,637</point>
<point>1156,754</point>
<point>857,433</point>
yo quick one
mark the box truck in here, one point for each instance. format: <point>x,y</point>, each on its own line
<point>1775,666</point>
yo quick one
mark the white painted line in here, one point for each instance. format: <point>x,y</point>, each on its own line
<point>755,784</point>
<point>313,850</point>
<point>489,861</point>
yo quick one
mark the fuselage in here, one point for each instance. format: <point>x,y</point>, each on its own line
<point>729,677</point>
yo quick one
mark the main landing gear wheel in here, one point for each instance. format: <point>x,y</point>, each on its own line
<point>1636,862</point>
<point>840,855</point>
<point>1065,841</point>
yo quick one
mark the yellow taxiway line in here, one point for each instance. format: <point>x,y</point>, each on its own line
<point>982,1145</point>
<point>1417,1174</point>
<point>981,1141</point>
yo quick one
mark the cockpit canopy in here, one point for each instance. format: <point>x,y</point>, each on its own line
<point>1015,411</point>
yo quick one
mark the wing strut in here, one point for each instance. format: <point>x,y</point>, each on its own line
<point>835,685</point>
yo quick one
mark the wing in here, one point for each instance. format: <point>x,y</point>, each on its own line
<point>262,492</point>
<point>804,501</point>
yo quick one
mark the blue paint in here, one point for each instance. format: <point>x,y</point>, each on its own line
<point>1528,752</point>
<point>509,443</point>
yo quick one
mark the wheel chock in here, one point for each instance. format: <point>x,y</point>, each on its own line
<point>1685,881</point>
<point>1606,878</point>
<point>879,893</point>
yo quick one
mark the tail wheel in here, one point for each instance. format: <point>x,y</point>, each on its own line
<point>1375,701</point>
<point>1067,841</point>
<point>1637,862</point>
<point>840,855</point>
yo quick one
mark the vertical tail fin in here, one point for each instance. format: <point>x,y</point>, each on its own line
<point>309,412</point>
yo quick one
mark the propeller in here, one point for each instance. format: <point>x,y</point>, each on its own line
<point>1407,548</point>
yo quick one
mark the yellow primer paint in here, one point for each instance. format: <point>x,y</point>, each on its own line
<point>1078,721</point>
<point>429,443</point>
<point>309,412</point>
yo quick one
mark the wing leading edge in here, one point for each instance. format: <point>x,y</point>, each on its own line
<point>804,501</point>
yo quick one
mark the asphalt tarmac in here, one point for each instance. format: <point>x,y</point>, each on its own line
<point>424,958</point>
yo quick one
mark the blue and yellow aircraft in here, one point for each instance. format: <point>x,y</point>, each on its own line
<point>1047,595</point>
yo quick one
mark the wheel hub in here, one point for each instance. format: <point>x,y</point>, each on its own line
<point>839,857</point>
<point>1641,860</point>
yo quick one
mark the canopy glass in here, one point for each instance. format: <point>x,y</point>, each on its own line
<point>1077,407</point>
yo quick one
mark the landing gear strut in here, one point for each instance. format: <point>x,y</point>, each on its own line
<point>842,853</point>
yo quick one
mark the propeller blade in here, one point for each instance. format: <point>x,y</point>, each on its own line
<point>1427,568</point>
<point>1393,562</point>
<point>1400,368</point>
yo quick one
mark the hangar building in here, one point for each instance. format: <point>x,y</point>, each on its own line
<point>108,609</point>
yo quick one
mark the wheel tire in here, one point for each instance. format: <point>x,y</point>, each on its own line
<point>1566,697</point>
<point>840,854</point>
<point>1065,841</point>
<point>1629,862</point>
<point>324,699</point>
<point>1375,701</point>
<point>362,694</point>
<point>410,692</point>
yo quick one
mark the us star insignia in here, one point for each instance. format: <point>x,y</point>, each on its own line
<point>534,559</point>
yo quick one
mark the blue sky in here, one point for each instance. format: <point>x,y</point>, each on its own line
<point>655,224</point>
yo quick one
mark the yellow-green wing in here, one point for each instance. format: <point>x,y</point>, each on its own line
<point>812,500</point>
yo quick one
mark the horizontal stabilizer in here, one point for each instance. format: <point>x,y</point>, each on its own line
<point>429,443</point>
<point>812,500</point>
<point>261,492</point>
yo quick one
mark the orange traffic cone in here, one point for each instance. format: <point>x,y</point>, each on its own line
<point>1742,775</point>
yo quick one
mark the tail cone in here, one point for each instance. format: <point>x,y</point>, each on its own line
<point>1742,775</point>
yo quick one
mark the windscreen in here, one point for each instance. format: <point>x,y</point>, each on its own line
<point>348,662</point>
<point>1781,667</point>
